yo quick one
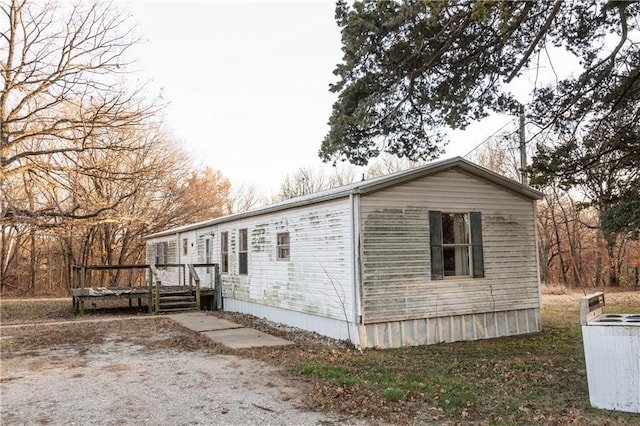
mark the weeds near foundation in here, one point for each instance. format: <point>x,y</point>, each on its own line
<point>340,298</point>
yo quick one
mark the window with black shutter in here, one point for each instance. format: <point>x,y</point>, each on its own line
<point>456,244</point>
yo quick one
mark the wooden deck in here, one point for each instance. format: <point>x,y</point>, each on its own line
<point>146,286</point>
<point>91,296</point>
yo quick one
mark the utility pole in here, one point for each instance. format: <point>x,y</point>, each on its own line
<point>523,149</point>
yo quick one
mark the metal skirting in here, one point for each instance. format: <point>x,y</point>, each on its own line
<point>329,327</point>
<point>455,328</point>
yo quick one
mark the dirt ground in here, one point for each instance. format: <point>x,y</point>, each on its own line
<point>116,378</point>
<point>148,370</point>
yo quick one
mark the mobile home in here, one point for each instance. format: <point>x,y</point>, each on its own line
<point>439,253</point>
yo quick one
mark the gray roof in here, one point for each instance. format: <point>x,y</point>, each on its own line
<point>367,186</point>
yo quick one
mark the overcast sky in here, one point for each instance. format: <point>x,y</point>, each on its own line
<point>248,82</point>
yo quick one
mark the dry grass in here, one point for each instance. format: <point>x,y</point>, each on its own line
<point>533,379</point>
<point>152,333</point>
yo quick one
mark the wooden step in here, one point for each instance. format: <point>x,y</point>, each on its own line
<point>176,293</point>
<point>177,301</point>
<point>164,310</point>
<point>177,298</point>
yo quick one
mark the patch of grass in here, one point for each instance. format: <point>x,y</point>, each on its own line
<point>18,311</point>
<point>531,379</point>
<point>24,311</point>
<point>393,394</point>
<point>321,371</point>
<point>339,374</point>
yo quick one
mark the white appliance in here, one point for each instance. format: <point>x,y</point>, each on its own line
<point>612,355</point>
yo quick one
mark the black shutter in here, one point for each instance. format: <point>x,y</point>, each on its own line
<point>476,244</point>
<point>435,236</point>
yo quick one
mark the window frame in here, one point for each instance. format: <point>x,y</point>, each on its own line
<point>224,252</point>
<point>453,246</point>
<point>208,243</point>
<point>185,246</point>
<point>283,247</point>
<point>437,245</point>
<point>243,251</point>
<point>162,252</point>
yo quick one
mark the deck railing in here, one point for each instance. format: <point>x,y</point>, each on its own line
<point>80,275</point>
<point>154,284</point>
<point>193,276</point>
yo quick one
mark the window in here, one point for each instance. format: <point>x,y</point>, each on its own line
<point>224,251</point>
<point>185,246</point>
<point>243,266</point>
<point>456,244</point>
<point>161,253</point>
<point>282,248</point>
<point>207,254</point>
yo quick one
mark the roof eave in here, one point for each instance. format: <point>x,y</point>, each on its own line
<point>461,163</point>
<point>365,187</point>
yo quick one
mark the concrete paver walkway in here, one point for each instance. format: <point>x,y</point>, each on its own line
<point>225,332</point>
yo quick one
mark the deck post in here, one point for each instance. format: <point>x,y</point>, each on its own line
<point>218,288</point>
<point>83,274</point>
<point>157,307</point>
<point>217,299</point>
<point>198,295</point>
<point>184,272</point>
<point>193,276</point>
<point>150,283</point>
<point>74,285</point>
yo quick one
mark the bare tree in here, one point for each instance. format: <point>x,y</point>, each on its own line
<point>308,180</point>
<point>243,198</point>
<point>63,93</point>
<point>345,173</point>
<point>499,155</point>
<point>386,164</point>
<point>63,100</point>
<point>305,181</point>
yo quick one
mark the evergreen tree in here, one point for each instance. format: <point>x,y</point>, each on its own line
<point>412,68</point>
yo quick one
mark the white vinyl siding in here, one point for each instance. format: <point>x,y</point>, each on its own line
<point>174,253</point>
<point>395,250</point>
<point>316,280</point>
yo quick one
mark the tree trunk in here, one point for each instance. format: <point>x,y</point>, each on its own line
<point>556,230</point>
<point>33,259</point>
<point>613,277</point>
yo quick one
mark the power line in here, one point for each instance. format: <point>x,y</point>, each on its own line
<point>488,138</point>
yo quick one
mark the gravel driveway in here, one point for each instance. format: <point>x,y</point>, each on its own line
<point>118,382</point>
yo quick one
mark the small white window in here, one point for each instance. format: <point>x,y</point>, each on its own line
<point>161,253</point>
<point>243,255</point>
<point>207,254</point>
<point>283,249</point>
<point>224,251</point>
